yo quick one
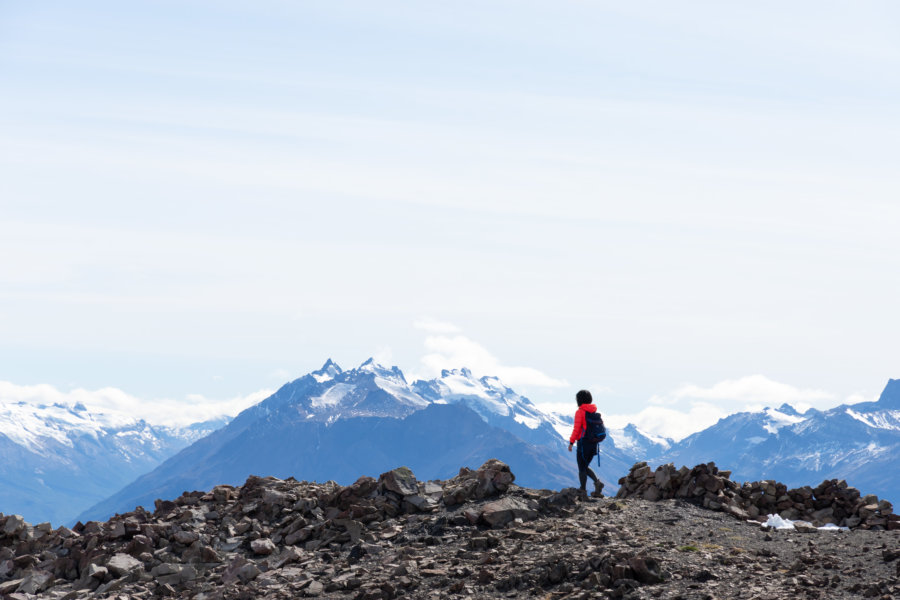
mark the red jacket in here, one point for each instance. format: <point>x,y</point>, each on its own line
<point>580,426</point>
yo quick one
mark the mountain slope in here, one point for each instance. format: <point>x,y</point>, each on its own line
<point>433,442</point>
<point>57,460</point>
<point>333,423</point>
<point>496,403</point>
<point>859,443</point>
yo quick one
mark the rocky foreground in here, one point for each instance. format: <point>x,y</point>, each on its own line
<point>473,536</point>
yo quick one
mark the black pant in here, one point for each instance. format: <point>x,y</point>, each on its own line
<point>585,453</point>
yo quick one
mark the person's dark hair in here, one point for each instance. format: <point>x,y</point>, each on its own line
<point>583,397</point>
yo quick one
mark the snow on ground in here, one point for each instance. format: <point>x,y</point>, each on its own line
<point>778,522</point>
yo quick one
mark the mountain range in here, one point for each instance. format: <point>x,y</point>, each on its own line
<point>56,458</point>
<point>858,442</point>
<point>62,463</point>
<point>333,425</point>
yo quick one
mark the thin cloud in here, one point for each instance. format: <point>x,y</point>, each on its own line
<point>121,406</point>
<point>691,408</point>
<point>383,355</point>
<point>455,351</point>
<point>670,422</point>
<point>430,325</point>
<point>755,389</point>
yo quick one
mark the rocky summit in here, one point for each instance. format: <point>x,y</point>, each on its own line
<point>672,534</point>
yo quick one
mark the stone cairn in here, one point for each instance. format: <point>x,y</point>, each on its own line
<point>278,538</point>
<point>832,501</point>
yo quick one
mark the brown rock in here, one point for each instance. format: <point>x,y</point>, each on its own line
<point>401,481</point>
<point>122,564</point>
<point>263,546</point>
<point>500,512</point>
<point>645,569</point>
<point>494,477</point>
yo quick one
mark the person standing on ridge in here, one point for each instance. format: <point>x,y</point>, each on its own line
<point>586,450</point>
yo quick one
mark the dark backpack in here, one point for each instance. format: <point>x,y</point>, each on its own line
<point>595,431</point>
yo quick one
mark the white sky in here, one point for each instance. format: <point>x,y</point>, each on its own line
<point>206,199</point>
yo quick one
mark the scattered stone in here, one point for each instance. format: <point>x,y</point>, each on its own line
<point>831,502</point>
<point>122,564</point>
<point>476,535</point>
<point>401,481</point>
<point>35,582</point>
<point>500,512</point>
<point>263,546</point>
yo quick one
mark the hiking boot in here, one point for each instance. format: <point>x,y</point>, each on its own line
<point>598,489</point>
<point>582,495</point>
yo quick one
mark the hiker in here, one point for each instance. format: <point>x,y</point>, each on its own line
<point>586,450</point>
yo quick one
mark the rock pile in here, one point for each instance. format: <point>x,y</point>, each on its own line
<point>282,539</point>
<point>832,501</point>
<point>476,535</point>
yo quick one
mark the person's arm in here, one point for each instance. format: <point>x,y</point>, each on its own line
<point>577,428</point>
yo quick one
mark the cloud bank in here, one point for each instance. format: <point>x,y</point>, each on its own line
<point>447,348</point>
<point>120,405</point>
<point>691,408</point>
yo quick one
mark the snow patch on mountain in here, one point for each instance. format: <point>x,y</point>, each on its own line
<point>637,442</point>
<point>35,427</point>
<point>487,396</point>
<point>563,426</point>
<point>333,396</point>
<point>888,419</point>
<point>778,418</point>
<point>400,389</point>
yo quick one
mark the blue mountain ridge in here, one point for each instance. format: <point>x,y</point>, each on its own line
<point>434,442</point>
<point>859,443</point>
<point>67,460</point>
<point>339,425</point>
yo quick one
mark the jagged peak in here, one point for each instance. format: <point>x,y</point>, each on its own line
<point>890,397</point>
<point>788,410</point>
<point>461,372</point>
<point>330,364</point>
<point>370,366</point>
<point>328,371</point>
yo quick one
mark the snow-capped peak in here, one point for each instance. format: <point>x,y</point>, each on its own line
<point>39,428</point>
<point>788,410</point>
<point>370,366</point>
<point>341,393</point>
<point>487,396</point>
<point>328,371</point>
